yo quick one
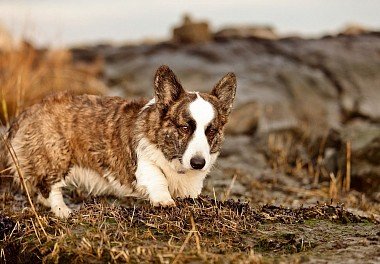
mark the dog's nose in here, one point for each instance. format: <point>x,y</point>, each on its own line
<point>197,162</point>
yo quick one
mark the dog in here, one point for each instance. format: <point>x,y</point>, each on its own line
<point>155,150</point>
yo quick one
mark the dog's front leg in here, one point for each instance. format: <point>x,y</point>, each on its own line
<point>151,179</point>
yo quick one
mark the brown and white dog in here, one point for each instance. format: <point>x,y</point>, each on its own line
<point>159,149</point>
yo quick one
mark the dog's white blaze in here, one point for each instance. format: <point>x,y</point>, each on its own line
<point>160,178</point>
<point>202,112</point>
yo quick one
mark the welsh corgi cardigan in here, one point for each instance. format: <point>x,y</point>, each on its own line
<point>155,149</point>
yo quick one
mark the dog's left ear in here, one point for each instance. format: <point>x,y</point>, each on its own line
<point>167,88</point>
<point>225,91</point>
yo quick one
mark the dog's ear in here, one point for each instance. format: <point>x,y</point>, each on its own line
<point>166,87</point>
<point>225,91</point>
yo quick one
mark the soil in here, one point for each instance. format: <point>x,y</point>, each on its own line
<point>196,230</point>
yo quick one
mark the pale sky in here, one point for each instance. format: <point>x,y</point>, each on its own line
<point>55,22</point>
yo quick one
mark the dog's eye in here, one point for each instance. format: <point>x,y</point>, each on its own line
<point>212,132</point>
<point>184,129</point>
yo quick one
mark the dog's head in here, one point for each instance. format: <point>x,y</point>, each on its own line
<point>191,123</point>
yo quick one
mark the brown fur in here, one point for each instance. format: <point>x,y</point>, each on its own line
<point>65,130</point>
<point>102,133</point>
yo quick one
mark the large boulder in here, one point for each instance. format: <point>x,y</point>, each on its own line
<point>350,63</point>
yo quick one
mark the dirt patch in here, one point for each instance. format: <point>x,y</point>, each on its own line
<point>200,229</point>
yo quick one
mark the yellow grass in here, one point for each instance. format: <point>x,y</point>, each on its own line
<point>27,75</point>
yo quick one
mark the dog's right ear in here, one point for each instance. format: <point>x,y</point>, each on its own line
<point>167,88</point>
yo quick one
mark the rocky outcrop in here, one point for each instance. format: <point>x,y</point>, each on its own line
<point>304,87</point>
<point>191,32</point>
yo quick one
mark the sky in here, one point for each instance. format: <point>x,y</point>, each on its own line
<point>53,22</point>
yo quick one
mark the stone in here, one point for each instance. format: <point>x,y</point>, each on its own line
<point>354,29</point>
<point>365,154</point>
<point>244,120</point>
<point>191,32</point>
<point>243,31</point>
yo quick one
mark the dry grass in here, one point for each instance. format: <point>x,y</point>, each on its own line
<point>196,230</point>
<point>295,155</point>
<point>27,75</point>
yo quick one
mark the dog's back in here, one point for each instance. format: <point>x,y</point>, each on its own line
<point>66,130</point>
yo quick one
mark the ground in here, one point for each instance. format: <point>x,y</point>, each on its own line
<point>107,230</point>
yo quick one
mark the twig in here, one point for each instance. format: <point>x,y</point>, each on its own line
<point>215,200</point>
<point>7,169</point>
<point>22,180</point>
<point>333,186</point>
<point>183,247</point>
<point>228,191</point>
<point>35,231</point>
<point>196,235</point>
<point>348,166</point>
<point>133,214</point>
<point>193,231</point>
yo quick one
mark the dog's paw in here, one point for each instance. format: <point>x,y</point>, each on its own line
<point>167,203</point>
<point>61,211</point>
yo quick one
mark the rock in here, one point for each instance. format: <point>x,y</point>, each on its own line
<point>354,29</point>
<point>239,153</point>
<point>349,63</point>
<point>365,157</point>
<point>264,32</point>
<point>314,99</point>
<point>191,32</point>
<point>89,61</point>
<point>244,120</point>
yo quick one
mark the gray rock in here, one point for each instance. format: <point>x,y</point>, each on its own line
<point>244,120</point>
<point>365,157</point>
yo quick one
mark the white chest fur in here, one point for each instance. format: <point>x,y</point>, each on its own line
<point>155,174</point>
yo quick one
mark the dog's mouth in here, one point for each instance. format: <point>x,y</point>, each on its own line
<point>177,165</point>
